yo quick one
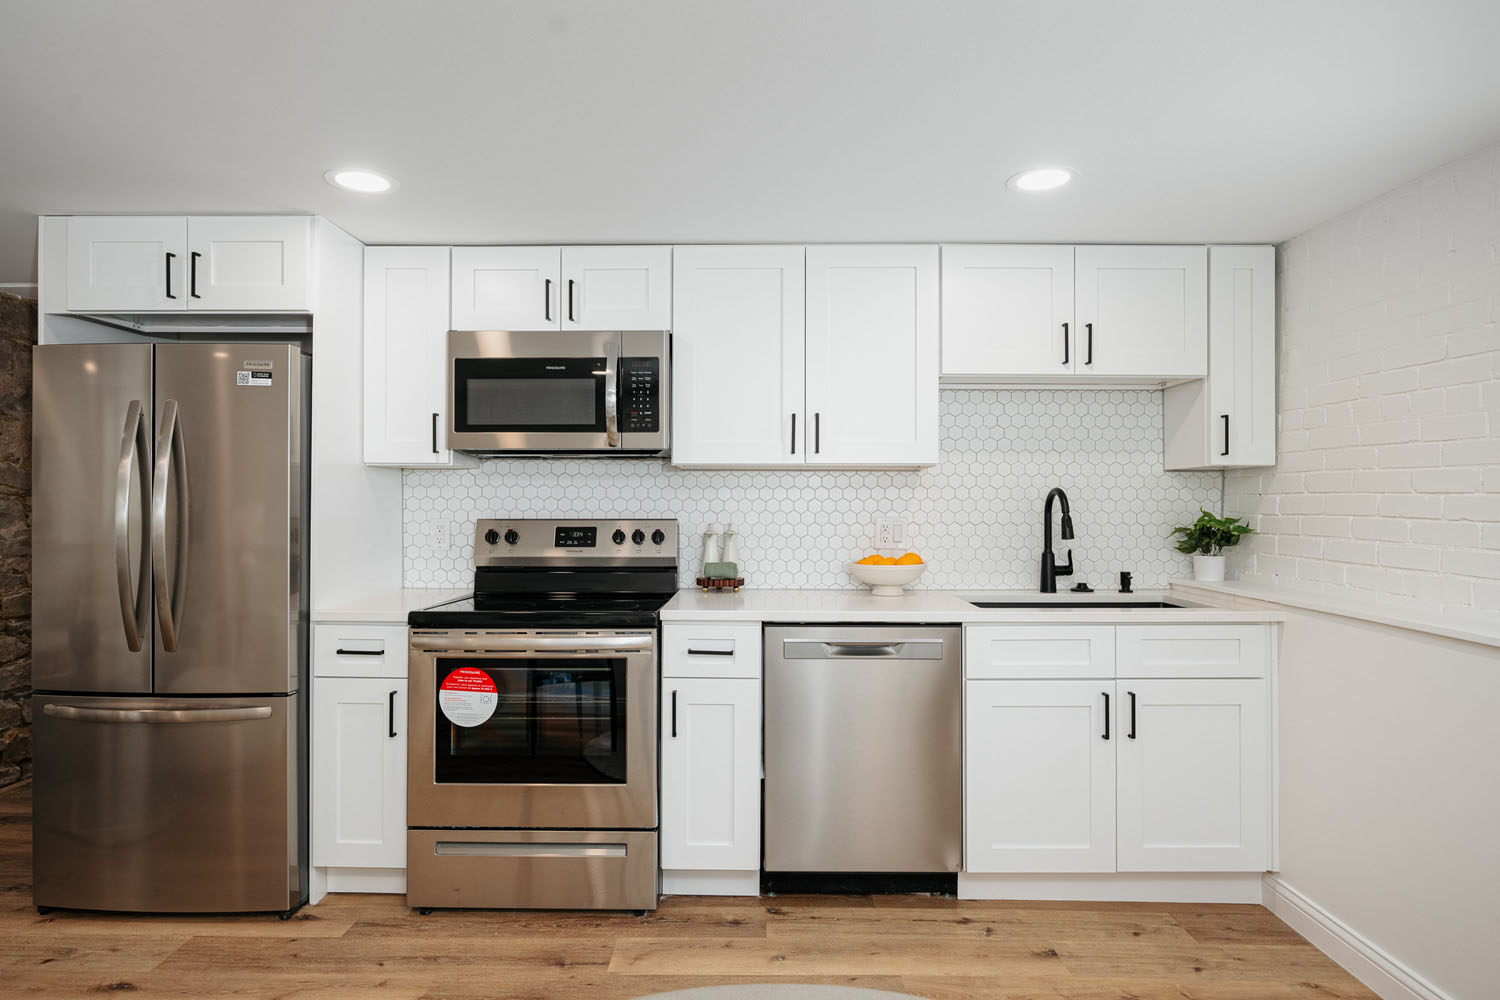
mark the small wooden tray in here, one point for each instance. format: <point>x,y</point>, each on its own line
<point>733,585</point>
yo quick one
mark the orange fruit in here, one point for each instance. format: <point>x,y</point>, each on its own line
<point>910,559</point>
<point>871,560</point>
<point>886,561</point>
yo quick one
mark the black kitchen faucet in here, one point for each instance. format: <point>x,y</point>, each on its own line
<point>1050,569</point>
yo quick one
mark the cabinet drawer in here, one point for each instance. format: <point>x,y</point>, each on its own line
<point>359,650</point>
<point>1192,650</point>
<point>1039,651</point>
<point>693,650</point>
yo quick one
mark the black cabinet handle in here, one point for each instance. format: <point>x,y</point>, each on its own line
<point>193,276</point>
<point>434,434</point>
<point>817,433</point>
<point>710,652</point>
<point>547,300</point>
<point>1065,343</point>
<point>359,652</point>
<point>170,257</point>
<point>1131,735</point>
<point>794,433</point>
<point>674,715</point>
<point>570,301</point>
<point>1090,358</point>
<point>391,724</point>
<point>1106,713</point>
<point>1226,435</point>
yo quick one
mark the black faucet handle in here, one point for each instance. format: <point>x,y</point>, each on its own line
<point>1066,569</point>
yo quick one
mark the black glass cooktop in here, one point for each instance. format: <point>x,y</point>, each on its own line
<point>543,611</point>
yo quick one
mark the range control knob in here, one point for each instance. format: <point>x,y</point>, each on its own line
<point>638,536</point>
<point>658,536</point>
<point>618,537</point>
<point>511,536</point>
<point>492,536</point>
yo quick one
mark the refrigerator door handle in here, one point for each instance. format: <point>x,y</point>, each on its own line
<point>169,456</point>
<point>157,716</point>
<point>134,609</point>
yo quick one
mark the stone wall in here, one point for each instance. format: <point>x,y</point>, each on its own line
<point>17,334</point>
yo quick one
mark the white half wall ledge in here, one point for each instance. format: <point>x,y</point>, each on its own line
<point>1360,957</point>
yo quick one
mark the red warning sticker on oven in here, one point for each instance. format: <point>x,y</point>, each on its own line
<point>467,697</point>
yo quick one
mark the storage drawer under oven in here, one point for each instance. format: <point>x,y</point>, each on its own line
<point>532,869</point>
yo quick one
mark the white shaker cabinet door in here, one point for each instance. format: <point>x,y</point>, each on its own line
<point>1193,775</point>
<point>872,355</point>
<point>1242,356</point>
<point>1039,771</point>
<point>507,288</point>
<point>737,356</point>
<point>1142,311</point>
<point>616,288</point>
<point>127,263</point>
<point>710,774</point>
<point>249,263</point>
<point>1008,311</point>
<point>359,772</point>
<point>406,351</point>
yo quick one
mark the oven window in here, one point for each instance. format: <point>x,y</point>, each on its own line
<point>553,724</point>
<point>529,394</point>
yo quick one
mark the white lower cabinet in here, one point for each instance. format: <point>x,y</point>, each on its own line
<point>710,758</point>
<point>710,774</point>
<point>1154,770</point>
<point>1193,772</point>
<point>1039,777</point>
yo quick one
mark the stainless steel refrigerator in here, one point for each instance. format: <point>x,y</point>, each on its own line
<point>169,627</point>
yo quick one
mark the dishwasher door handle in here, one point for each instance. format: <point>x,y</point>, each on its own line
<point>904,649</point>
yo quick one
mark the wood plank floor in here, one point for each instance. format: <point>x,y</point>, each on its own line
<point>374,947</point>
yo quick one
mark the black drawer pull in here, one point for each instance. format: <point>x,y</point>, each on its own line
<point>710,652</point>
<point>359,652</point>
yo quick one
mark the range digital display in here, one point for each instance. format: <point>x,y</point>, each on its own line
<point>575,538</point>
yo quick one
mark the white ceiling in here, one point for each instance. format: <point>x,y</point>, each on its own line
<point>541,121</point>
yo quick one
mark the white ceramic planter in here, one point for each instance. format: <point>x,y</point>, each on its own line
<point>1208,569</point>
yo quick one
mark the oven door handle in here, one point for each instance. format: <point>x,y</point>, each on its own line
<point>612,392</point>
<point>470,643</point>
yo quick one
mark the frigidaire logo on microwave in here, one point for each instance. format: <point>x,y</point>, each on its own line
<point>556,368</point>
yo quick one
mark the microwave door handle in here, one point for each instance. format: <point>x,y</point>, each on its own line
<point>612,393</point>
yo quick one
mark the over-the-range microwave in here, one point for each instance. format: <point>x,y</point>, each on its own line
<point>596,392</point>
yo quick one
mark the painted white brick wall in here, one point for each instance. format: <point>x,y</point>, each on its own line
<point>976,517</point>
<point>1388,480</point>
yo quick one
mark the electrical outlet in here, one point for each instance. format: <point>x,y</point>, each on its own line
<point>890,533</point>
<point>440,536</point>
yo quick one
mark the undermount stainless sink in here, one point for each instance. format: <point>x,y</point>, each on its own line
<point>1066,604</point>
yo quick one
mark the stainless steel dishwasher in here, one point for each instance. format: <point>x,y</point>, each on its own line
<point>863,749</point>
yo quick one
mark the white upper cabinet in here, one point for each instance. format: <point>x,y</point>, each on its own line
<point>506,288</point>
<point>1008,310</point>
<point>173,263</point>
<point>1229,419</point>
<point>737,355</point>
<point>1142,311</point>
<point>872,356</point>
<point>406,351</point>
<point>562,288</point>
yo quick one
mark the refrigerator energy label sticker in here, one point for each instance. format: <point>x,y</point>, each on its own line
<point>467,697</point>
<point>252,378</point>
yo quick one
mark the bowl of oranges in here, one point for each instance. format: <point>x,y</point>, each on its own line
<point>886,575</point>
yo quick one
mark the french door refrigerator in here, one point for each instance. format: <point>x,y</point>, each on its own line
<point>169,627</point>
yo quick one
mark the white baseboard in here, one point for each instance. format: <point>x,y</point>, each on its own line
<point>1359,956</point>
<point>676,882</point>
<point>1168,887</point>
<point>390,881</point>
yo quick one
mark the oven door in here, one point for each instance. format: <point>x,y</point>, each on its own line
<point>590,391</point>
<point>532,729</point>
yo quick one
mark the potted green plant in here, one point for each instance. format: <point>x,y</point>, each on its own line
<point>1207,538</point>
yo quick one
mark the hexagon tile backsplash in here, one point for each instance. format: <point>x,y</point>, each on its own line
<point>976,516</point>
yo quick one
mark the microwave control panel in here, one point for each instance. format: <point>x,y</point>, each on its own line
<point>640,389</point>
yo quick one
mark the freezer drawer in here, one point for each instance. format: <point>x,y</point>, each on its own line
<point>168,804</point>
<point>531,869</point>
<point>863,749</point>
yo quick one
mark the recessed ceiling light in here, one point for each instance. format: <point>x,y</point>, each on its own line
<point>1040,179</point>
<point>363,181</point>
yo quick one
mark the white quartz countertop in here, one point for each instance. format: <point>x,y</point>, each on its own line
<point>943,606</point>
<point>390,606</point>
